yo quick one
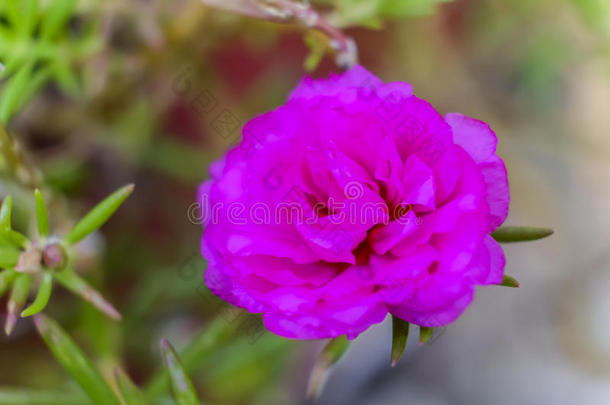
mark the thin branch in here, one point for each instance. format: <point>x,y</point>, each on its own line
<point>288,11</point>
<point>250,8</point>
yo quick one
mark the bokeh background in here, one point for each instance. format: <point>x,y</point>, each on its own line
<point>146,111</point>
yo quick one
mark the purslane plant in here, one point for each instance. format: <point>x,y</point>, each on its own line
<point>45,258</point>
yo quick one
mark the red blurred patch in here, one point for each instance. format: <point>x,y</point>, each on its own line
<point>181,121</point>
<point>453,19</point>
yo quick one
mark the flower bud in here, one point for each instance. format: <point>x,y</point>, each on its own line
<point>54,256</point>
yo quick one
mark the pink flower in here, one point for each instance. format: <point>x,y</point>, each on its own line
<point>352,200</point>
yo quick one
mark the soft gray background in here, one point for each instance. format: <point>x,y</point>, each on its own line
<point>547,342</point>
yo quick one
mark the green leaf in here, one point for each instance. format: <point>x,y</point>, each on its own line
<point>13,62</point>
<point>19,294</point>
<point>5,212</point>
<point>14,91</point>
<point>74,361</point>
<point>42,298</point>
<point>19,396</point>
<point>6,279</point>
<point>98,215</point>
<point>9,256</point>
<point>316,43</point>
<point>508,234</point>
<point>65,77</point>
<point>20,88</point>
<point>12,11</point>
<point>36,46</point>
<point>330,355</point>
<point>15,238</point>
<point>400,335</point>
<point>30,17</point>
<point>130,393</point>
<point>425,334</point>
<point>56,18</point>
<point>201,346</point>
<point>334,350</point>
<point>36,82</point>
<point>42,217</point>
<point>508,281</point>
<point>243,366</point>
<point>70,280</point>
<point>182,387</point>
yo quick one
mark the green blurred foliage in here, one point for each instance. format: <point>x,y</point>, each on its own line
<point>597,12</point>
<point>37,45</point>
<point>371,13</point>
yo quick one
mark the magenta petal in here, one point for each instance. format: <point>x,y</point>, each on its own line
<point>284,271</point>
<point>498,194</point>
<point>332,243</point>
<point>356,77</point>
<point>476,137</point>
<point>437,302</point>
<point>385,237</point>
<point>258,240</point>
<point>395,89</point>
<point>487,266</point>
<point>218,280</point>
<point>447,172</point>
<point>418,181</point>
<point>388,172</point>
<point>353,321</point>
<point>497,261</point>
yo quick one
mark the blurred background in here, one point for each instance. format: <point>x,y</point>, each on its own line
<point>154,91</point>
